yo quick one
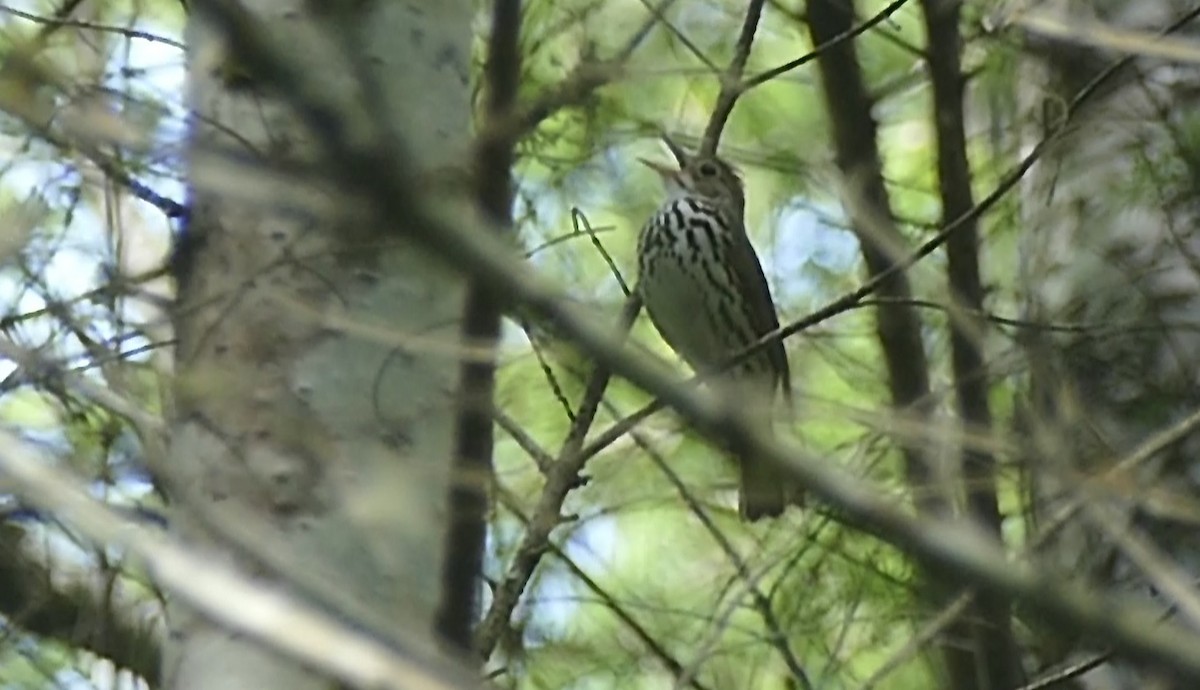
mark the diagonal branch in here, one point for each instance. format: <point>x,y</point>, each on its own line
<point>610,601</point>
<point>302,630</point>
<point>562,476</point>
<point>731,82</point>
<point>847,35</point>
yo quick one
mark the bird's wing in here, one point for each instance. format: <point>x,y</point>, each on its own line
<point>763,319</point>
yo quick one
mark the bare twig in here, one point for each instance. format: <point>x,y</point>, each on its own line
<point>608,600</point>
<point>579,219</point>
<point>562,477</point>
<point>57,22</point>
<point>925,635</point>
<point>111,166</point>
<point>541,457</point>
<point>1148,449</point>
<point>853,32</point>
<point>681,36</point>
<point>585,79</point>
<point>1166,576</point>
<point>731,82</point>
<point>1061,676</point>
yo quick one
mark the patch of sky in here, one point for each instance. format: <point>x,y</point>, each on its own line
<point>556,600</point>
<point>592,546</point>
<point>540,203</point>
<point>807,246</point>
<point>71,261</point>
<point>552,592</point>
<point>157,72</point>
<point>502,537</point>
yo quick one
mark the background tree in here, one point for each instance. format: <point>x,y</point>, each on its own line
<point>974,220</point>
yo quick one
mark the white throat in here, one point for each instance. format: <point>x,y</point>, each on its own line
<point>675,191</point>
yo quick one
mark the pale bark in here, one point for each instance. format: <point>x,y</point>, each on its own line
<point>327,447</point>
<point>1110,242</point>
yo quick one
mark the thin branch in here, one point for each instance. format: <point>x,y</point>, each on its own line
<point>58,22</point>
<point>759,600</point>
<point>1164,575</point>
<point>682,37</point>
<point>1154,445</point>
<point>1096,328</point>
<point>582,82</point>
<point>731,86</point>
<point>562,477</point>
<point>931,630</point>
<point>613,605</point>
<point>1071,672</point>
<point>112,168</point>
<point>815,53</point>
<point>577,219</point>
<point>541,457</point>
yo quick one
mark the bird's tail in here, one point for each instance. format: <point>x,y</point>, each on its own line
<point>766,489</point>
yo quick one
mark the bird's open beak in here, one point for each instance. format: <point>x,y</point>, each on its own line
<point>665,171</point>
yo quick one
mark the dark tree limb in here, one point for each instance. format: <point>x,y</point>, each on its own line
<point>997,659</point>
<point>898,326</point>
<point>866,201</point>
<point>85,609</point>
<point>474,432</point>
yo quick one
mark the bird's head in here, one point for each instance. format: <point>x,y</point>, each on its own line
<point>702,176</point>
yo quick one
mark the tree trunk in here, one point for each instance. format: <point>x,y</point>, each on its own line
<point>313,431</point>
<point>1110,244</point>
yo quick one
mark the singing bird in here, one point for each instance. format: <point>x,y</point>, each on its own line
<point>704,289</point>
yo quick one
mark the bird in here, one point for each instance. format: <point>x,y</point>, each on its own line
<point>704,289</point>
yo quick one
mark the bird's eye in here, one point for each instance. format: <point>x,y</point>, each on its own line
<point>708,169</point>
